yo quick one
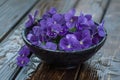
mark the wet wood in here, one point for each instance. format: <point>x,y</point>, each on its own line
<point>11,12</point>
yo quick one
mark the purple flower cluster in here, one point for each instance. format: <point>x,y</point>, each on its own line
<point>22,59</point>
<point>64,32</point>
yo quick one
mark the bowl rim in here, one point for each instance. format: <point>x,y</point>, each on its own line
<point>58,51</point>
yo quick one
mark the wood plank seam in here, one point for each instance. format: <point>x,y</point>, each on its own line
<point>105,10</point>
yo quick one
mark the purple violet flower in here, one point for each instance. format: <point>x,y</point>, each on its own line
<point>49,45</point>
<point>33,39</point>
<point>42,23</point>
<point>57,28</point>
<point>49,13</point>
<point>84,38</point>
<point>51,21</point>
<point>64,31</point>
<point>22,61</point>
<point>69,43</point>
<point>59,19</point>
<point>52,10</point>
<point>24,51</point>
<point>84,22</point>
<point>96,39</point>
<point>51,33</point>
<point>31,20</point>
<point>88,16</point>
<point>70,19</point>
<point>101,30</point>
<point>56,19</point>
<point>36,30</point>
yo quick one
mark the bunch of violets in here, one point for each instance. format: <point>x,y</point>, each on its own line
<point>63,32</point>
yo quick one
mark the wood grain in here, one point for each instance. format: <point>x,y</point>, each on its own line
<point>105,66</point>
<point>46,72</point>
<point>11,11</point>
<point>27,71</point>
<point>2,2</point>
<point>96,8</point>
<point>111,49</point>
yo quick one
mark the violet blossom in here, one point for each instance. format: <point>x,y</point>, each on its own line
<point>22,59</point>
<point>31,20</point>
<point>70,19</point>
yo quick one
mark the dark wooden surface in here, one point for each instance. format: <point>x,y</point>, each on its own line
<point>105,65</point>
<point>45,72</point>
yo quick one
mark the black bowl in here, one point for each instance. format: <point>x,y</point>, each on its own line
<point>63,59</point>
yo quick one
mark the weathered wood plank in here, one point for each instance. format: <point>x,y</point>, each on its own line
<point>11,11</point>
<point>94,7</point>
<point>7,69</point>
<point>2,2</point>
<point>105,66</point>
<point>111,49</point>
<point>11,45</point>
<point>97,9</point>
<point>8,53</point>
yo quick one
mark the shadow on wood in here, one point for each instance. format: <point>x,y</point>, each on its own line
<point>46,72</point>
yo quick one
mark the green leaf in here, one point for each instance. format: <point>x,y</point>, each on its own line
<point>72,29</point>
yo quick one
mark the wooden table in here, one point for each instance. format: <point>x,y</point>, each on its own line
<point>105,65</point>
